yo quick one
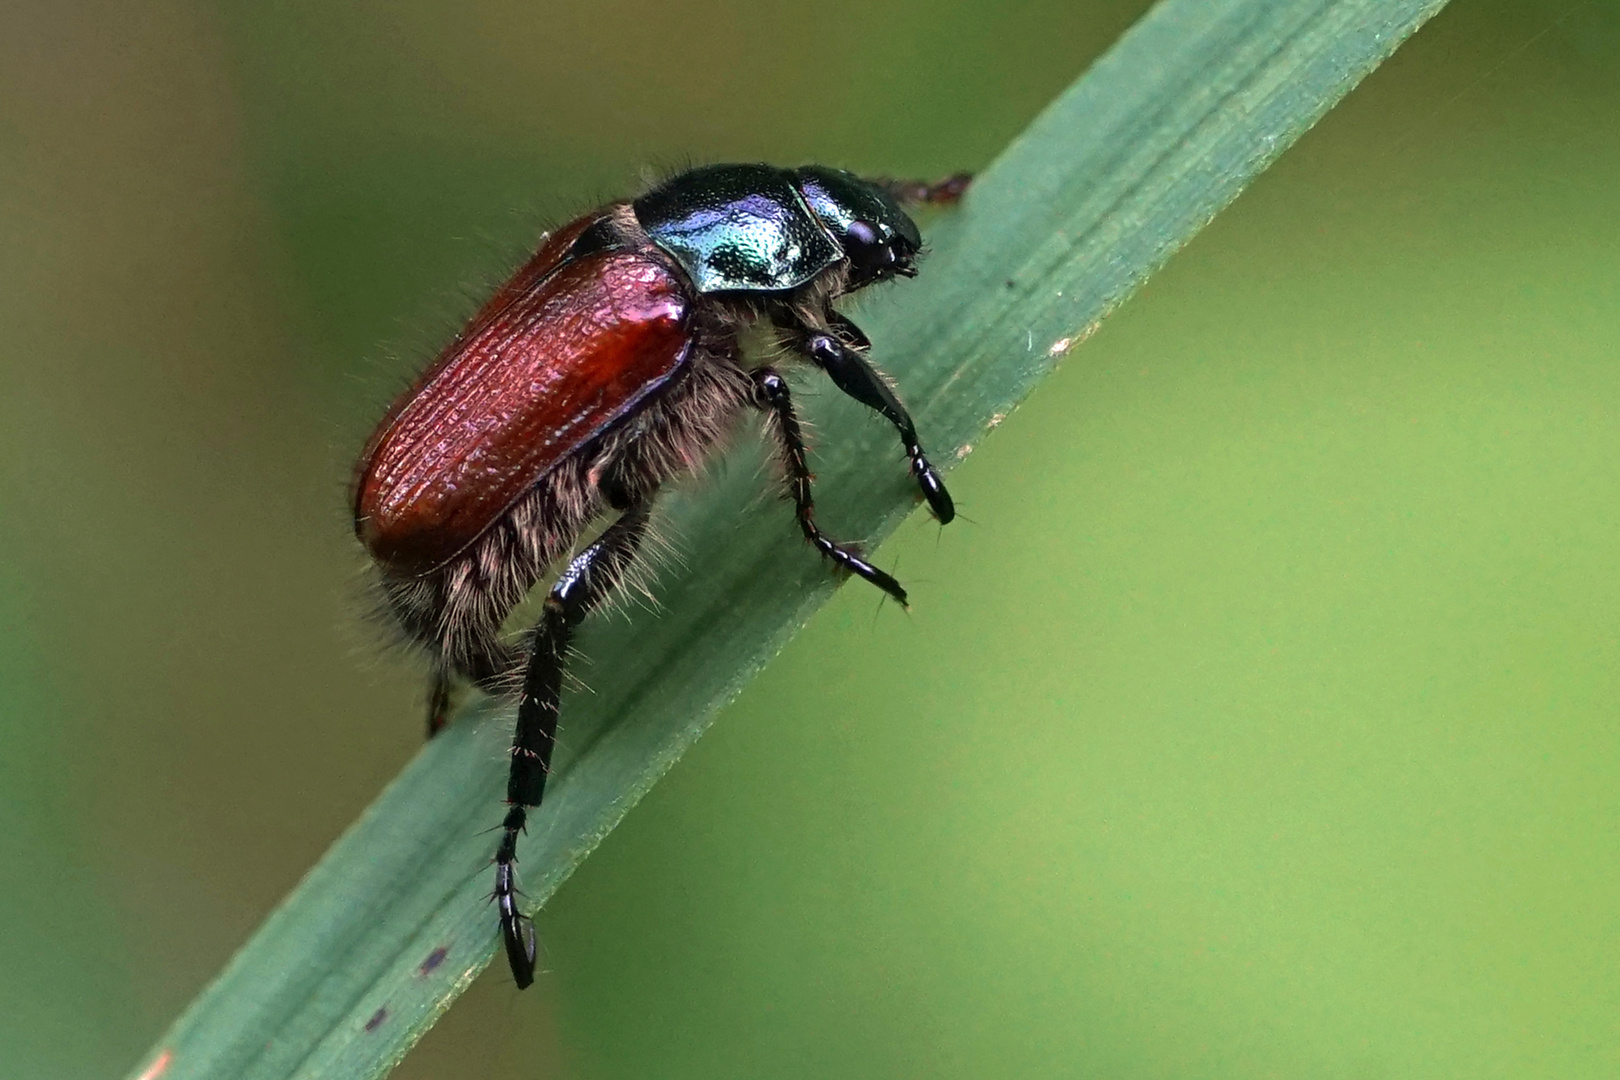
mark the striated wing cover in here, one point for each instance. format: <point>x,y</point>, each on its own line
<point>557,356</point>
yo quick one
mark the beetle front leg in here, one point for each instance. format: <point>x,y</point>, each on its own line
<point>946,192</point>
<point>775,397</point>
<point>837,355</point>
<point>587,581</point>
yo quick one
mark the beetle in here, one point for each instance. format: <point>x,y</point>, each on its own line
<point>610,364</point>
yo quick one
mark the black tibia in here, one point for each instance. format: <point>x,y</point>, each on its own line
<point>774,396</point>
<point>838,355</point>
<point>438,703</point>
<point>587,581</point>
<point>946,191</point>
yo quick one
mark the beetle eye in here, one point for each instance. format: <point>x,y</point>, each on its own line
<point>872,256</point>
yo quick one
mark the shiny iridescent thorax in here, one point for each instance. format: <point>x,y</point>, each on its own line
<point>607,366</point>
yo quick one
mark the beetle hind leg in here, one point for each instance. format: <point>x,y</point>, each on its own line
<point>586,582</point>
<point>440,700</point>
<point>460,639</point>
<point>778,401</point>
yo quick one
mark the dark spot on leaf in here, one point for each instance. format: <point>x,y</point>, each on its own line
<point>434,959</point>
<point>377,1019</point>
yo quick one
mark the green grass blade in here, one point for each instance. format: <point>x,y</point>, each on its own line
<point>1117,174</point>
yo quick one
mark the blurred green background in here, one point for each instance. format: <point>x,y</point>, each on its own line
<point>1260,722</point>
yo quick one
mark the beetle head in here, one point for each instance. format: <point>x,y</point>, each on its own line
<point>879,239</point>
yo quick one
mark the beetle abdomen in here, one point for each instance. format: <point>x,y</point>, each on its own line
<point>543,370</point>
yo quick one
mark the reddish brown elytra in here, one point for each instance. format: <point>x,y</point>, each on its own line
<point>609,365</point>
<point>539,373</point>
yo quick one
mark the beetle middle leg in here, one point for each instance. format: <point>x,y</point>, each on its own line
<point>774,396</point>
<point>587,581</point>
<point>839,355</point>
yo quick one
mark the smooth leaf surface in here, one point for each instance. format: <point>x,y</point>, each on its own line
<point>1119,172</point>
